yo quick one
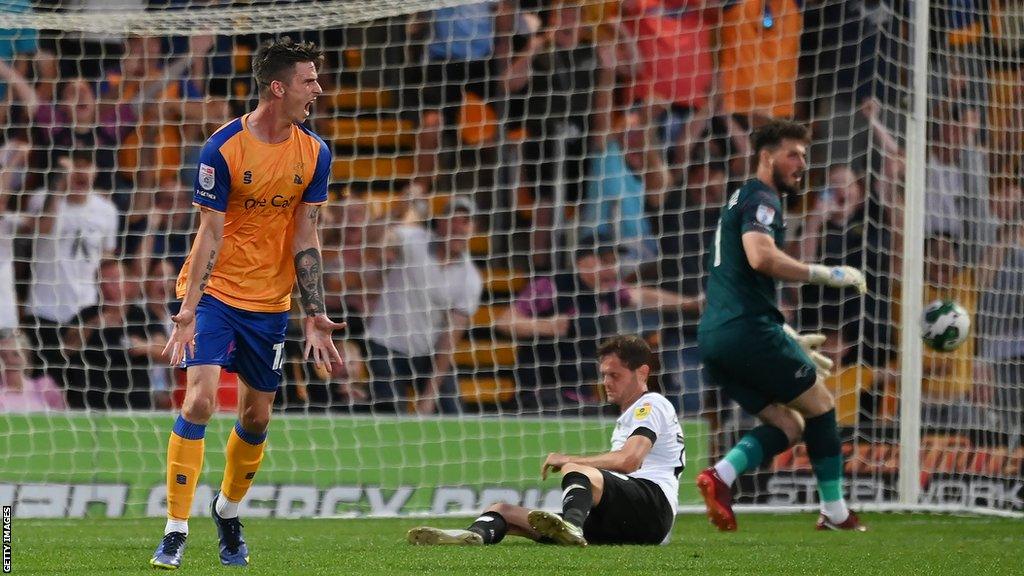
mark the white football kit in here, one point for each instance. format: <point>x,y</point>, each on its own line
<point>653,416</point>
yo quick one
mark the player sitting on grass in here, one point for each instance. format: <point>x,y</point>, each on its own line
<point>748,350</point>
<point>625,496</point>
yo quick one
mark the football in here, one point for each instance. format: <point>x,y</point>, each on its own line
<point>945,325</point>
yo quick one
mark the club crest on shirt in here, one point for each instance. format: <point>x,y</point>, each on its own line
<point>642,412</point>
<point>206,176</point>
<point>765,214</point>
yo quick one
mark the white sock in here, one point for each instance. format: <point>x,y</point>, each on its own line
<point>726,472</point>
<point>836,511</point>
<point>174,525</point>
<point>226,508</point>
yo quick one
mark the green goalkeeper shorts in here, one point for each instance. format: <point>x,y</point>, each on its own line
<point>756,364</point>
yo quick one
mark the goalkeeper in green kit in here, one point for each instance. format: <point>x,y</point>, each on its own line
<point>759,361</point>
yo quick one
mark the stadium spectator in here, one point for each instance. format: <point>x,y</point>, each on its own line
<point>626,172</point>
<point>17,109</point>
<point>947,378</point>
<point>18,46</point>
<point>428,297</point>
<point>79,122</point>
<point>549,88</point>
<point>673,41</point>
<point>75,230</point>
<point>356,257</point>
<point>957,197</point>
<point>164,97</point>
<point>686,229</point>
<point>116,347</point>
<point>759,56</point>
<point>157,299</point>
<point>170,224</point>
<point>12,358</point>
<point>1000,322</point>
<point>558,322</point>
<point>848,227</point>
<point>464,49</point>
<point>454,52</point>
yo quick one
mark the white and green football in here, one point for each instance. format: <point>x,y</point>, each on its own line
<point>945,325</point>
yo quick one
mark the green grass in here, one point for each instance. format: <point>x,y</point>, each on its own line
<point>784,544</point>
<point>380,452</point>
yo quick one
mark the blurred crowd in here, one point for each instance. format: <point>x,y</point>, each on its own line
<point>590,144</point>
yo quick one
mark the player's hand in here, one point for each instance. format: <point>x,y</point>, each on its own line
<point>810,344</point>
<point>183,336</point>
<point>554,462</point>
<point>838,277</point>
<point>319,342</point>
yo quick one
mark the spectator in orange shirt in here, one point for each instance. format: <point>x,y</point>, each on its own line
<point>759,55</point>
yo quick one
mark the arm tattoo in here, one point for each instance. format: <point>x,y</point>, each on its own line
<point>208,272</point>
<point>311,287</point>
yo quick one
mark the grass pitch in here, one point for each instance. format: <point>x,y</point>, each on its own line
<point>784,544</point>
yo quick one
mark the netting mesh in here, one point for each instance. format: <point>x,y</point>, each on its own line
<point>559,125</point>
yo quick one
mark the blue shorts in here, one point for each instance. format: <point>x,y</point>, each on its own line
<point>249,343</point>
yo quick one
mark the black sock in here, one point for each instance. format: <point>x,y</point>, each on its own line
<point>577,498</point>
<point>491,526</point>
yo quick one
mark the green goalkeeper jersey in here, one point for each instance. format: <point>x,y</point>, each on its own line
<point>735,291</point>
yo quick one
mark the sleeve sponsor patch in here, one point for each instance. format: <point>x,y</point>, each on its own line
<point>765,214</point>
<point>207,176</point>
<point>643,411</point>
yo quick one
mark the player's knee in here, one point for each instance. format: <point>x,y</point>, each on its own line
<point>503,508</point>
<point>198,408</point>
<point>589,471</point>
<point>256,421</point>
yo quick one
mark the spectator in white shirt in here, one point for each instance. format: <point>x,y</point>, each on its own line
<point>76,230</point>
<point>426,303</point>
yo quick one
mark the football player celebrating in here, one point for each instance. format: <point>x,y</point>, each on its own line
<point>262,179</point>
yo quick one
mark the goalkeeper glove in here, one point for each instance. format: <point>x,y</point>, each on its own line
<point>810,344</point>
<point>838,277</point>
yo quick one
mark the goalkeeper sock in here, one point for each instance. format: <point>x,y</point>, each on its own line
<point>243,456</point>
<point>760,444</point>
<point>821,434</point>
<point>491,526</point>
<point>577,498</point>
<point>184,462</point>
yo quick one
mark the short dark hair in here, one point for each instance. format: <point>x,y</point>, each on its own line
<point>772,134</point>
<point>275,59</point>
<point>631,350</point>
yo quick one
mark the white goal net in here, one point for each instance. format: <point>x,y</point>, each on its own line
<point>593,144</point>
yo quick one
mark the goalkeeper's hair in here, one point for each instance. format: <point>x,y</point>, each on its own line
<point>274,60</point>
<point>631,350</point>
<point>771,134</point>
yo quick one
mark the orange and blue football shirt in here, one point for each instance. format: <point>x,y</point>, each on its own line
<point>259,188</point>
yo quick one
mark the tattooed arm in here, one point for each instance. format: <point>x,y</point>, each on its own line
<point>203,258</point>
<point>308,262</point>
<point>309,277</point>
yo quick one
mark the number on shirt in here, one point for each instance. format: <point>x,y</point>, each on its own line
<point>682,455</point>
<point>718,245</point>
<point>733,200</point>
<point>278,356</point>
